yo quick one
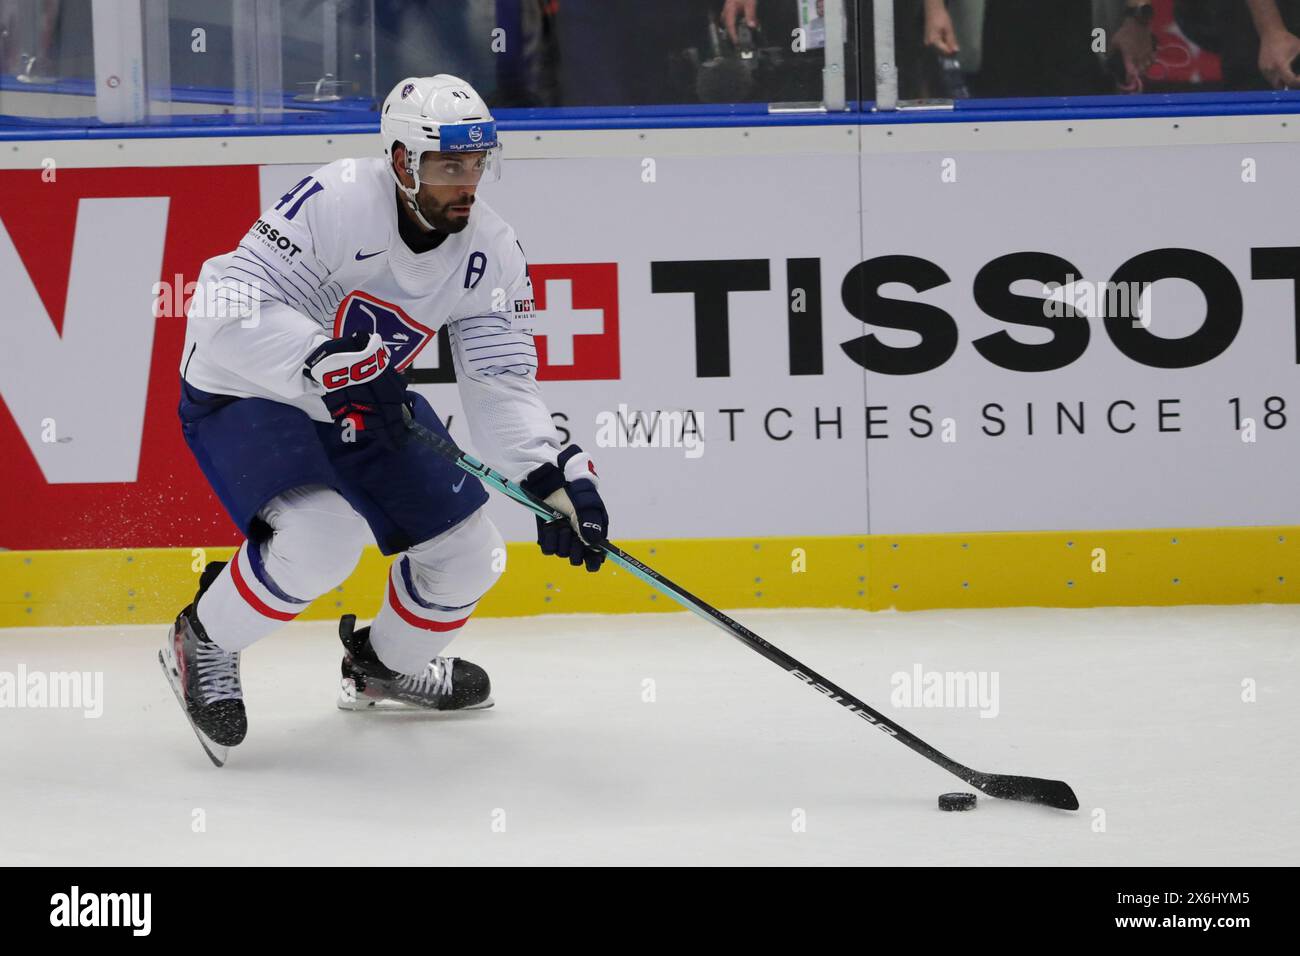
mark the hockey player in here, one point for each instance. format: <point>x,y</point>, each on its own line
<point>294,404</point>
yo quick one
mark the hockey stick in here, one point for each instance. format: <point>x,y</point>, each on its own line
<point>1053,793</point>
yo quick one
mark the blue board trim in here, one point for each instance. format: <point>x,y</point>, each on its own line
<point>350,117</point>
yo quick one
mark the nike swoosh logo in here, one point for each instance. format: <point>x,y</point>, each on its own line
<point>457,485</point>
<point>369,255</point>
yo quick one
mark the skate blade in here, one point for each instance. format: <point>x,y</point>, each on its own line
<point>215,751</point>
<point>350,700</point>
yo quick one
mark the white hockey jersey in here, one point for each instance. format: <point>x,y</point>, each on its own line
<point>327,260</point>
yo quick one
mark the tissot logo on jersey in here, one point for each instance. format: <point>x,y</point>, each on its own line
<point>273,237</point>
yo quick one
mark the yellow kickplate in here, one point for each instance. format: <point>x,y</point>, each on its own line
<point>908,572</point>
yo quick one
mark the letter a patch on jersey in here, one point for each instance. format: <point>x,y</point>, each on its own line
<point>359,312</point>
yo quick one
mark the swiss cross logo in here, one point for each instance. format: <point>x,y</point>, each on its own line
<point>576,329</point>
<point>359,312</point>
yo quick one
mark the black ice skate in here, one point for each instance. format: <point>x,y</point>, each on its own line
<point>447,683</point>
<point>205,678</point>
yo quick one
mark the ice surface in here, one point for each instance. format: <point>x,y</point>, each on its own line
<point>1140,710</point>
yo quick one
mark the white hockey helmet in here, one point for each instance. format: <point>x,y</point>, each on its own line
<point>440,114</point>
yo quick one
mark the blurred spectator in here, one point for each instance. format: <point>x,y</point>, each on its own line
<point>1131,47</point>
<point>791,36</point>
<point>1260,45</point>
<point>918,69</point>
<point>507,49</point>
<point>41,40</point>
<point>416,39</point>
<point>1031,48</point>
<point>619,54</point>
<point>527,69</point>
<point>939,32</point>
<point>945,67</point>
<point>663,52</point>
<point>817,28</point>
<point>791,69</point>
<point>732,13</point>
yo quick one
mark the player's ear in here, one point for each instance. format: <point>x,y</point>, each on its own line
<point>398,159</point>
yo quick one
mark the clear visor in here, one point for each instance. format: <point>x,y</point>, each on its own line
<point>461,169</point>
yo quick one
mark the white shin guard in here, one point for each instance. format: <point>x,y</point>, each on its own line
<point>316,542</point>
<point>432,590</point>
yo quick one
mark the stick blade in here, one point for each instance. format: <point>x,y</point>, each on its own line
<point>1050,793</point>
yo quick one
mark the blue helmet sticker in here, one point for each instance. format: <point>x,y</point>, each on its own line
<point>467,137</point>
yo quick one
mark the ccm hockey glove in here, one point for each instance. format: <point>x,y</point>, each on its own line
<point>570,486</point>
<point>362,390</point>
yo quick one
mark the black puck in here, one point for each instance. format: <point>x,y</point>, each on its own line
<point>956,801</point>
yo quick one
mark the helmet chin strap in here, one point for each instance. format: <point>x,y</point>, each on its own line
<point>414,206</point>
<point>409,194</point>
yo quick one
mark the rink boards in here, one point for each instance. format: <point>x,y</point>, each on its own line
<point>836,338</point>
<point>879,572</point>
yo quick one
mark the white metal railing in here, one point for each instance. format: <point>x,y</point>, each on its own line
<point>833,74</point>
<point>882,15</point>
